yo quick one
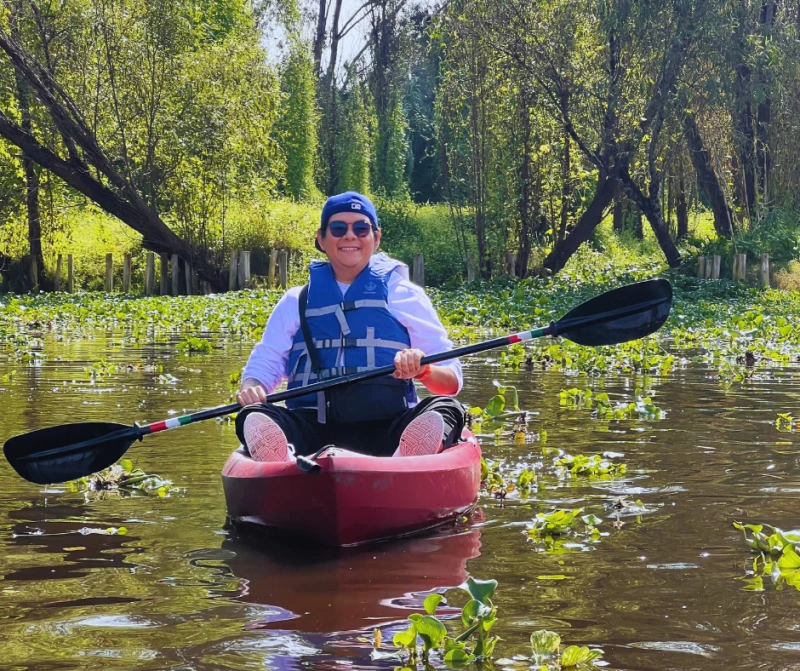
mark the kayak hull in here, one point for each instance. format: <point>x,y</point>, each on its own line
<point>354,498</point>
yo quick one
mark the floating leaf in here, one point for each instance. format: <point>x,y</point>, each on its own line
<point>481,590</point>
<point>431,602</point>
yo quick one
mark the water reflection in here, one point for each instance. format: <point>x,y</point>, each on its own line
<point>353,589</point>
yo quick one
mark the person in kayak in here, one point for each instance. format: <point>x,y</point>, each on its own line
<point>358,311</point>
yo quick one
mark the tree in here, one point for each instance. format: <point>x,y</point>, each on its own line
<point>620,79</point>
<point>297,128</point>
<point>150,111</point>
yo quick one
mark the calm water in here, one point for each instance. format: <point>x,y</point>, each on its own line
<point>180,591</point>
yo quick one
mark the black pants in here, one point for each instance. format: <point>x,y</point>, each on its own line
<point>376,438</point>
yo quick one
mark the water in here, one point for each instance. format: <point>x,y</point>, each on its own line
<point>180,591</point>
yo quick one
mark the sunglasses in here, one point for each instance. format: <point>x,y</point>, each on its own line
<point>361,229</point>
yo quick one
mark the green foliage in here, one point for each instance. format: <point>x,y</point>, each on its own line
<point>194,345</point>
<point>121,478</point>
<point>391,152</point>
<point>474,644</point>
<point>778,558</point>
<point>556,522</point>
<point>409,229</point>
<point>297,126</point>
<point>354,146</point>
<point>595,466</point>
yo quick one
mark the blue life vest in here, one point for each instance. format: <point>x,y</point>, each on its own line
<point>352,333</point>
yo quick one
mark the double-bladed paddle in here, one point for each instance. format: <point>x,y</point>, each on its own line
<point>70,451</point>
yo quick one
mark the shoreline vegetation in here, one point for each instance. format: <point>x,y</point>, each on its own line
<point>735,328</point>
<point>211,127</point>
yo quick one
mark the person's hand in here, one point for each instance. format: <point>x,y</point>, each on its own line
<point>407,364</point>
<point>251,394</point>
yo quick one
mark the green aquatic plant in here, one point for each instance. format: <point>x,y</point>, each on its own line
<point>427,633</point>
<point>575,398</point>
<point>785,422</point>
<point>547,655</point>
<point>595,466</point>
<point>561,521</point>
<point>641,408</point>
<point>121,477</point>
<point>100,369</point>
<point>779,555</point>
<point>195,345</point>
<point>499,484</point>
<point>506,397</point>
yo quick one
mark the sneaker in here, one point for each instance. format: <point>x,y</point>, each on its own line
<point>265,440</point>
<point>422,436</point>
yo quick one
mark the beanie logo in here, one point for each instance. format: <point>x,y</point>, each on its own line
<point>355,206</point>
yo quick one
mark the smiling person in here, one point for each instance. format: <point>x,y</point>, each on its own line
<point>358,311</point>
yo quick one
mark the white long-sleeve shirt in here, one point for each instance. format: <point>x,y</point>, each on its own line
<point>408,303</point>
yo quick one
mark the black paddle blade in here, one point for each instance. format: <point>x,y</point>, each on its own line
<point>69,451</point>
<point>619,315</point>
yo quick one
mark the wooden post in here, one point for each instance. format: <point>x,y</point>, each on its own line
<point>511,264</point>
<point>149,274</point>
<point>164,288</point>
<point>739,267</point>
<point>126,274</point>
<point>283,268</point>
<point>232,270</point>
<point>189,274</point>
<point>716,267</point>
<point>470,268</point>
<point>418,272</point>
<point>244,270</point>
<point>701,267</point>
<point>34,274</point>
<point>176,275</point>
<point>70,275</point>
<point>205,285</point>
<point>763,273</point>
<point>109,272</point>
<point>59,262</point>
<point>709,267</point>
<point>273,261</point>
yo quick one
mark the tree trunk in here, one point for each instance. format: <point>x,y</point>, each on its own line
<point>525,201</point>
<point>29,171</point>
<point>744,135</point>
<point>319,38</point>
<point>682,211</point>
<point>707,179</point>
<point>651,208</point>
<point>588,221</point>
<point>769,9</point>
<point>618,219</point>
<point>566,186</point>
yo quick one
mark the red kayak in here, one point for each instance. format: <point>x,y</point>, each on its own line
<point>354,498</point>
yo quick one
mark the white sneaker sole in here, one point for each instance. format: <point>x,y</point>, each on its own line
<point>264,439</point>
<point>422,437</point>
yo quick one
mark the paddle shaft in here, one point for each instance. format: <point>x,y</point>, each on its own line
<point>223,410</point>
<point>554,329</point>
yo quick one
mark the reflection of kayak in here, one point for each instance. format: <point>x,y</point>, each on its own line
<point>354,498</point>
<point>350,589</point>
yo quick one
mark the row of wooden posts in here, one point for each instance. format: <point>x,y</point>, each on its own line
<point>238,273</point>
<point>708,268</point>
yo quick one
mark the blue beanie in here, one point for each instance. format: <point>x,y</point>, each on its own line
<point>349,201</point>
